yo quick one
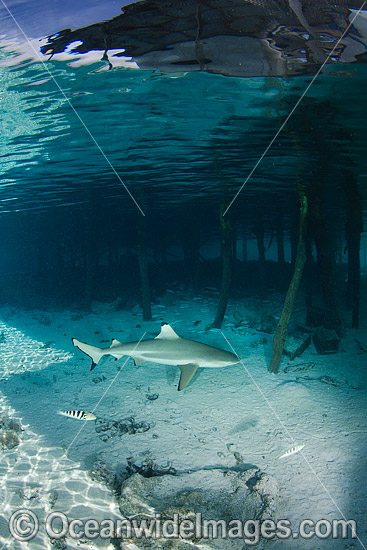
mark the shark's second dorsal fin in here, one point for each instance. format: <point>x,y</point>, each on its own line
<point>167,332</point>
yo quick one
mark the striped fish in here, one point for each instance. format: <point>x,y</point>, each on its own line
<point>80,415</point>
<point>292,451</point>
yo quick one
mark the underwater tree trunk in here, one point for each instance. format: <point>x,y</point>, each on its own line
<point>244,246</point>
<point>325,262</point>
<point>313,120</point>
<point>309,271</point>
<point>226,268</point>
<point>354,228</point>
<point>259,233</point>
<point>143,267</point>
<point>282,328</point>
<point>354,275</point>
<point>164,255</point>
<point>280,245</point>
<point>234,243</point>
<point>293,237</point>
<point>196,264</point>
<point>88,253</point>
<point>191,247</point>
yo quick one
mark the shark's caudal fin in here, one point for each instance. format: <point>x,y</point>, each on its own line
<point>94,353</point>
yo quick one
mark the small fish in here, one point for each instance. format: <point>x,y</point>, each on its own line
<point>80,415</point>
<point>292,451</point>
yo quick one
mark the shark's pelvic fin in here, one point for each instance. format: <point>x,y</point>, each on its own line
<point>138,362</point>
<point>187,372</point>
<point>167,332</point>
<point>92,351</point>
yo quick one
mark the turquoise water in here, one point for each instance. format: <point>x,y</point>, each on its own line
<point>176,139</point>
<point>86,150</point>
<point>125,136</point>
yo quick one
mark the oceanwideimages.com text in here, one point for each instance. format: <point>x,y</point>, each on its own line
<point>24,526</point>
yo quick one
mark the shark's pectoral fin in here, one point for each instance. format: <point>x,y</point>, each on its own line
<point>187,372</point>
<point>138,362</point>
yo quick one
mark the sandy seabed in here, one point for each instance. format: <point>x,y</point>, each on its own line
<point>238,413</point>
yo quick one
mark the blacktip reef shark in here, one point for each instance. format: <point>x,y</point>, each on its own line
<point>166,349</point>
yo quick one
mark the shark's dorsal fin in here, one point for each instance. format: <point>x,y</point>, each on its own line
<point>187,372</point>
<point>114,343</point>
<point>167,332</point>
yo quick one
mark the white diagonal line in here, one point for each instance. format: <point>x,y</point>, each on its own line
<point>45,66</point>
<point>104,394</point>
<point>291,437</point>
<point>95,407</point>
<point>293,109</point>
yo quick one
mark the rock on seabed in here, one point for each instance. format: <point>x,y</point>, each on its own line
<point>214,493</point>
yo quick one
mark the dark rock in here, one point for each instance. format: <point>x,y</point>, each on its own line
<point>238,457</point>
<point>121,427</point>
<point>59,543</point>
<point>300,367</point>
<point>214,493</point>
<point>7,423</point>
<point>326,341</point>
<point>152,396</point>
<point>269,324</point>
<point>9,432</point>
<point>238,317</point>
<point>9,440</point>
<point>149,469</point>
<point>99,379</point>
<point>103,426</point>
<point>102,473</point>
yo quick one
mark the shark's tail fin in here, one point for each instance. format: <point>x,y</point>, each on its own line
<point>94,353</point>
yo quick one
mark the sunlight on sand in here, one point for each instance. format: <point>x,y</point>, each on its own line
<point>20,353</point>
<point>36,477</point>
<point>43,479</point>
